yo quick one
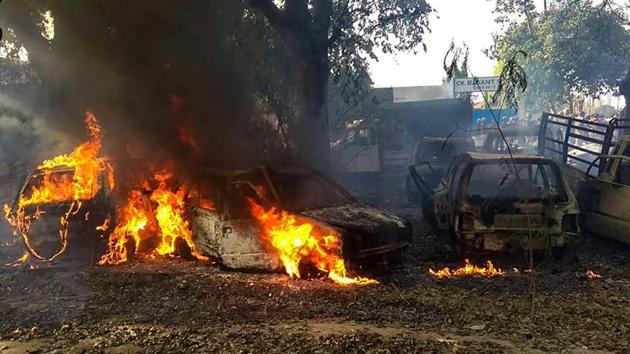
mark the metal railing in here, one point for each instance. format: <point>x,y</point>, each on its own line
<point>578,142</point>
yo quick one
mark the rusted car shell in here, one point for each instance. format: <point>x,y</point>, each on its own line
<point>94,210</point>
<point>495,224</point>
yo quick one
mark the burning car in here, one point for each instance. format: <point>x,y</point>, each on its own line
<point>256,219</point>
<point>264,218</point>
<point>70,187</point>
<point>494,202</point>
<point>86,211</point>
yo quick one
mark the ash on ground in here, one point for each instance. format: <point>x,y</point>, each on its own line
<point>181,306</point>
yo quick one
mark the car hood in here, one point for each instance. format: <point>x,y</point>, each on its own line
<point>357,216</point>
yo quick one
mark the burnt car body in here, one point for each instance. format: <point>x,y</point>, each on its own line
<point>494,202</point>
<point>604,196</point>
<point>439,151</point>
<point>520,140</point>
<point>93,211</point>
<point>224,228</point>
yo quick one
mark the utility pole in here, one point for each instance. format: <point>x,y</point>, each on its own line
<point>545,5</point>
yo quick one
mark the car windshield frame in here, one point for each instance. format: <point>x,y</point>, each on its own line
<point>551,171</point>
<point>443,152</point>
<point>290,203</point>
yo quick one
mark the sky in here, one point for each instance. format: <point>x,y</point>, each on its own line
<point>465,21</point>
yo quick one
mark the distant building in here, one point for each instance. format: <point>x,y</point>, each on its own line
<point>422,93</point>
<point>399,116</point>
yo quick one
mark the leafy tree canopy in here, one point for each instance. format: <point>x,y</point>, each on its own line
<point>320,40</point>
<point>130,62</point>
<point>575,48</point>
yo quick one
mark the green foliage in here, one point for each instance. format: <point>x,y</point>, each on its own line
<point>574,48</point>
<point>512,82</point>
<point>455,62</point>
<point>354,31</point>
<point>360,26</point>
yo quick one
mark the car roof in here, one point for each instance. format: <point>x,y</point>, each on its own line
<point>489,156</point>
<point>57,169</point>
<point>439,139</point>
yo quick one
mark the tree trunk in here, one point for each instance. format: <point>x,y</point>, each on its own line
<point>310,72</point>
<point>304,26</point>
<point>311,135</point>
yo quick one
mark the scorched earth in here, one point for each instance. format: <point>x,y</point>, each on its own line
<point>170,305</point>
<point>158,302</point>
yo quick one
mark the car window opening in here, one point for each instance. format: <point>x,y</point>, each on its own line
<point>519,181</point>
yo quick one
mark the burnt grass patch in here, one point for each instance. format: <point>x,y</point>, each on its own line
<point>173,305</point>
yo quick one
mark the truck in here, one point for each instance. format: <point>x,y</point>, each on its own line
<point>595,157</point>
<point>372,154</point>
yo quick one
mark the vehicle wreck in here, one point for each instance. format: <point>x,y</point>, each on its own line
<point>228,231</point>
<point>97,204</point>
<point>595,157</point>
<point>74,188</point>
<point>498,202</point>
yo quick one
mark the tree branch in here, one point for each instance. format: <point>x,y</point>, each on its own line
<point>337,25</point>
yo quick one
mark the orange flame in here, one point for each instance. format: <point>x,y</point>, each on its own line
<point>138,223</point>
<point>105,225</point>
<point>592,275</point>
<point>170,217</point>
<point>133,220</point>
<point>468,270</point>
<point>85,165</point>
<point>20,260</point>
<point>295,240</point>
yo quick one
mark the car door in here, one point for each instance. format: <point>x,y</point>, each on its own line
<point>206,222</point>
<point>242,243</point>
<point>437,206</point>
<point>604,200</point>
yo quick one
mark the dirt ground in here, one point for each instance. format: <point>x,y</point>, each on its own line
<point>182,306</point>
